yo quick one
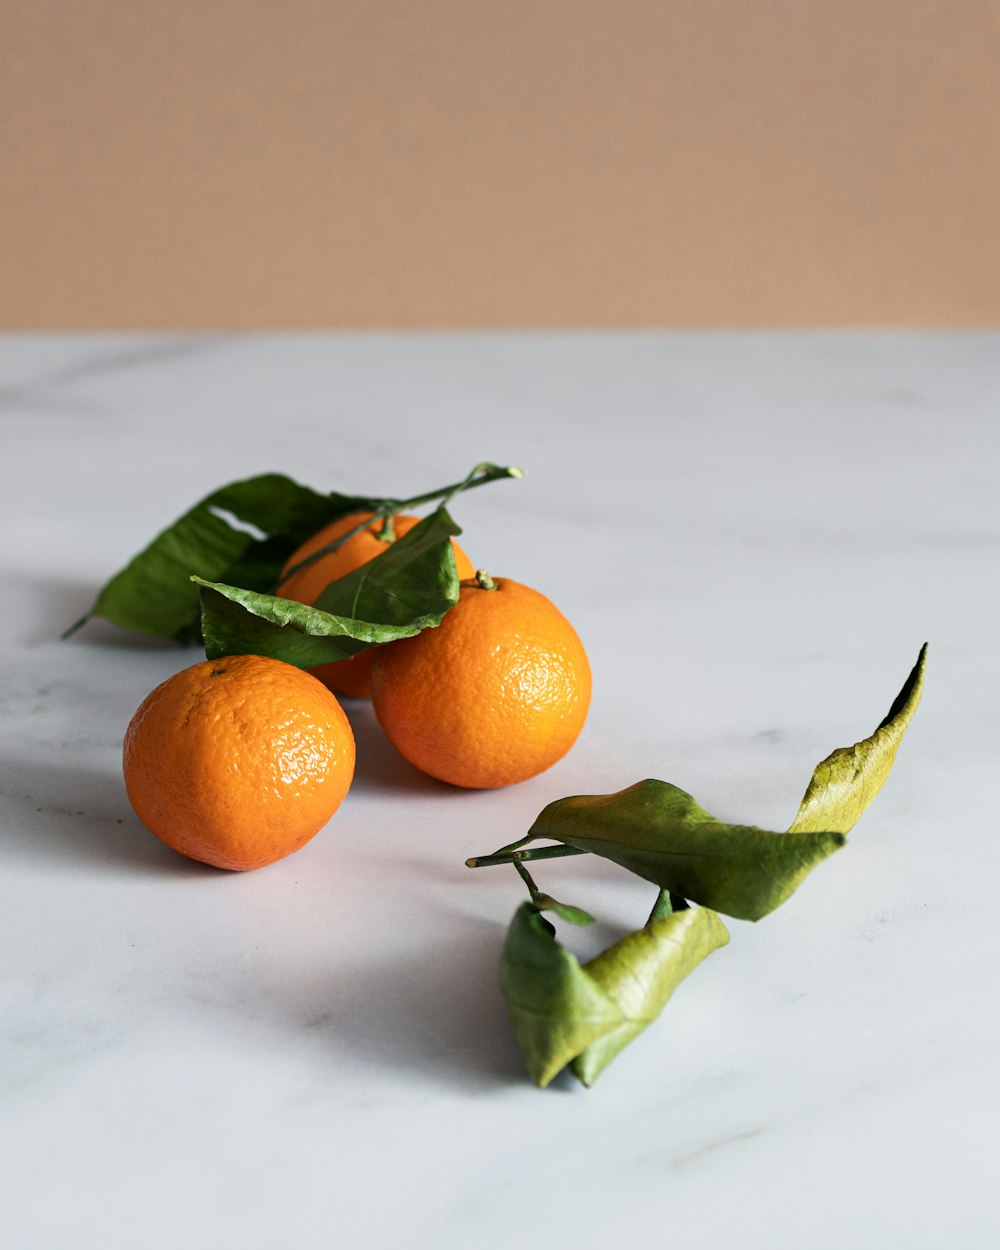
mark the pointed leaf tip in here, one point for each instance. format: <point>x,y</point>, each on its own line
<point>659,832</point>
<point>843,784</point>
<point>220,538</point>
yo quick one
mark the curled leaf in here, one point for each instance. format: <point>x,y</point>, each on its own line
<point>556,1009</point>
<point>845,782</point>
<point>583,1016</point>
<point>640,973</point>
<point>660,833</point>
<point>240,622</point>
<point>407,589</point>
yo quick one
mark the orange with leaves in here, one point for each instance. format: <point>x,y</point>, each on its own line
<point>353,676</point>
<point>238,761</point>
<point>497,693</point>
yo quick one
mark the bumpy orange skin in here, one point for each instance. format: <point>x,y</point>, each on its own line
<point>496,694</point>
<point>238,762</point>
<point>350,677</point>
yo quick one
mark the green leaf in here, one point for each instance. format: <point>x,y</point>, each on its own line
<point>845,782</point>
<point>414,580</point>
<point>564,1014</point>
<point>556,1008</point>
<point>241,622</point>
<point>405,590</point>
<point>153,594</point>
<point>565,911</point>
<point>640,973</point>
<point>660,833</point>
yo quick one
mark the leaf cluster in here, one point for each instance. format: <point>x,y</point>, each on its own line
<point>581,1016</point>
<point>214,573</point>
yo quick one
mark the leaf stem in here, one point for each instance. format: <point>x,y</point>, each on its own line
<point>545,902</point>
<point>385,509</point>
<point>68,633</point>
<point>387,534</point>
<point>481,475</point>
<point>527,878</point>
<point>515,857</point>
<point>381,511</point>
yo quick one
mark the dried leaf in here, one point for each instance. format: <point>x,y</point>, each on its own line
<point>557,1010</point>
<point>845,782</point>
<point>640,973</point>
<point>565,1014</point>
<point>660,833</point>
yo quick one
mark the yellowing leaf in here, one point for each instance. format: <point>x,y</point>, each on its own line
<point>565,1014</point>
<point>845,782</point>
<point>641,972</point>
<point>659,832</point>
<point>582,1016</point>
<point>557,1010</point>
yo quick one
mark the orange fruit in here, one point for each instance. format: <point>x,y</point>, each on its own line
<point>497,693</point>
<point>238,762</point>
<point>353,676</point>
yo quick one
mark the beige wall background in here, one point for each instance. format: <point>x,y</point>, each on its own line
<point>287,163</point>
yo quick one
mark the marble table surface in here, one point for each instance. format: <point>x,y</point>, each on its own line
<point>754,533</point>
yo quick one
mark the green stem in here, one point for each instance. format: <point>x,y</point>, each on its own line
<point>381,511</point>
<point>505,851</point>
<point>481,475</point>
<point>527,878</point>
<point>510,857</point>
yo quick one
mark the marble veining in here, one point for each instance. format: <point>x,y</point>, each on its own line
<point>753,534</point>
